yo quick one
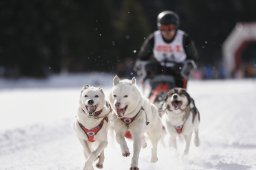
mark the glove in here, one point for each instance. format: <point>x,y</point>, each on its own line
<point>188,66</point>
<point>139,68</point>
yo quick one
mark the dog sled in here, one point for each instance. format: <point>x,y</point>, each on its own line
<point>158,78</point>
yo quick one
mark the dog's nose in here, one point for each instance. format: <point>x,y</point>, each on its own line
<point>175,96</point>
<point>90,102</point>
<point>118,104</point>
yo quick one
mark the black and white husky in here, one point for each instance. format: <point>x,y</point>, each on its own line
<point>181,117</point>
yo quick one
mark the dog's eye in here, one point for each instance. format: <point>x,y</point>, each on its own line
<point>85,96</point>
<point>181,94</point>
<point>125,96</point>
<point>96,96</point>
<point>114,95</point>
<point>170,94</point>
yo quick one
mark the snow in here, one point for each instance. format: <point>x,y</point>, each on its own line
<point>36,132</point>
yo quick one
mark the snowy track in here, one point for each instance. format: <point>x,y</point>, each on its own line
<point>36,134</point>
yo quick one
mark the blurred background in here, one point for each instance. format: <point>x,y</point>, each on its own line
<point>39,38</point>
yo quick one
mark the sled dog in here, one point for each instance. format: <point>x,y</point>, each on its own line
<point>181,117</point>
<point>91,125</point>
<point>134,115</point>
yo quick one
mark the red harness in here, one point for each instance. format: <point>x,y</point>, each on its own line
<point>127,121</point>
<point>179,129</point>
<point>90,133</point>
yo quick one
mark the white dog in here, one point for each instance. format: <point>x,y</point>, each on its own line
<point>181,117</point>
<point>91,125</point>
<point>134,114</point>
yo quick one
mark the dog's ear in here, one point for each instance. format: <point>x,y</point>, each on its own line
<point>85,87</point>
<point>190,100</point>
<point>116,80</point>
<point>133,80</point>
<point>194,110</point>
<point>192,103</point>
<point>165,97</point>
<point>110,98</point>
<point>101,90</point>
<point>169,94</point>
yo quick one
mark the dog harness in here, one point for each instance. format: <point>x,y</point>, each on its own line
<point>90,133</point>
<point>128,120</point>
<point>179,129</point>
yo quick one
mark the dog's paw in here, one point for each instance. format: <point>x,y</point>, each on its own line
<point>88,168</point>
<point>88,165</point>
<point>126,153</point>
<point>99,165</point>
<point>197,142</point>
<point>134,168</point>
<point>186,152</point>
<point>154,159</point>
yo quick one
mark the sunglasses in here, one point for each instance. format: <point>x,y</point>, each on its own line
<point>168,27</point>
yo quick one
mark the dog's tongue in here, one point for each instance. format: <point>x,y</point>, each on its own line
<point>91,108</point>
<point>120,111</point>
<point>176,103</point>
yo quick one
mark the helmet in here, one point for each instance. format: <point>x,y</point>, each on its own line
<point>168,18</point>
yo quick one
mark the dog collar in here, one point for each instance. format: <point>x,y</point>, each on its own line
<point>90,133</point>
<point>97,113</point>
